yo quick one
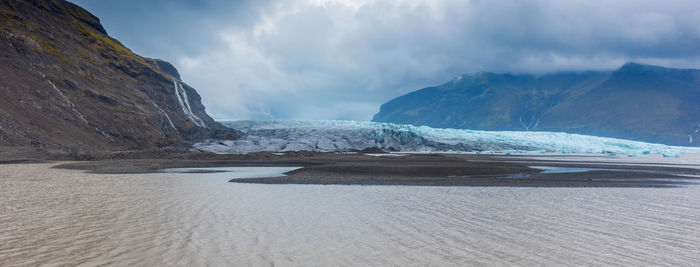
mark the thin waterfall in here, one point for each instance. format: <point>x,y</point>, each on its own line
<point>65,99</point>
<point>164,113</point>
<point>70,103</point>
<point>185,105</point>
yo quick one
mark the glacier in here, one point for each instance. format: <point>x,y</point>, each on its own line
<point>343,136</point>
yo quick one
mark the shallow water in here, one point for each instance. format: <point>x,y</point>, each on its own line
<point>238,172</point>
<point>550,169</point>
<point>50,216</point>
<point>554,170</point>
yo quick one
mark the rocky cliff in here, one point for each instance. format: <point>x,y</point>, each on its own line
<point>637,101</point>
<point>66,85</point>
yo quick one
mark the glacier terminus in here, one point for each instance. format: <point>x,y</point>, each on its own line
<point>345,136</point>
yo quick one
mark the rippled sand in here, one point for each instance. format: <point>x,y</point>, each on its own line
<point>53,216</point>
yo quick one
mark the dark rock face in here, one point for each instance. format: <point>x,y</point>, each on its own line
<point>639,102</point>
<point>65,84</point>
<point>164,67</point>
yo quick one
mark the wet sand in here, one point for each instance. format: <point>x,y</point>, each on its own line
<point>422,169</point>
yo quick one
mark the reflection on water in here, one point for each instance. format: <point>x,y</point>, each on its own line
<point>52,216</point>
<point>555,170</point>
<point>550,169</point>
<point>238,172</point>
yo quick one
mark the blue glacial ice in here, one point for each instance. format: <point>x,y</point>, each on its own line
<point>337,136</point>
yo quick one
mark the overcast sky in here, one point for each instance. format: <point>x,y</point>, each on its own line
<point>333,59</point>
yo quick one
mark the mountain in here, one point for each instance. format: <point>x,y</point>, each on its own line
<point>637,101</point>
<point>66,85</point>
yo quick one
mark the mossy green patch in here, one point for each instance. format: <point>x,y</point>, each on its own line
<point>11,16</point>
<point>33,26</point>
<point>47,47</point>
<point>114,52</point>
<point>86,58</point>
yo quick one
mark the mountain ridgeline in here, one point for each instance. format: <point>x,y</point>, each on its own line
<point>637,101</point>
<point>66,85</point>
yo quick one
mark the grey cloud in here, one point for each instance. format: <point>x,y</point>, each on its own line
<point>341,60</point>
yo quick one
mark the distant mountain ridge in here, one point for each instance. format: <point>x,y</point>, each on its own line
<point>65,85</point>
<point>637,102</point>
